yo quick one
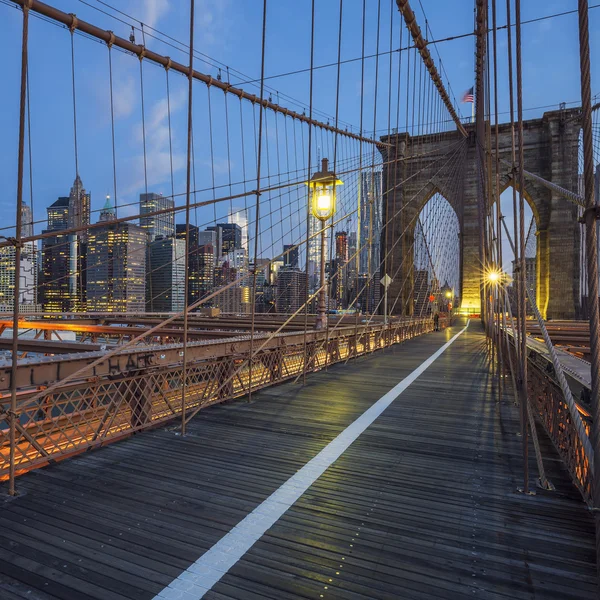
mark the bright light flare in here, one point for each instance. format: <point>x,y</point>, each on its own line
<point>493,276</point>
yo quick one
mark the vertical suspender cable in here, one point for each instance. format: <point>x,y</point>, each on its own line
<point>188,177</point>
<point>520,332</point>
<point>258,192</point>
<point>149,240</point>
<point>112,127</point>
<point>170,135</point>
<point>497,193</point>
<point>308,211</point>
<point>338,273</point>
<point>17,254</point>
<point>480,136</point>
<point>592,255</point>
<point>522,288</point>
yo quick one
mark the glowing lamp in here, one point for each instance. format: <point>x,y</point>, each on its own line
<point>431,298</point>
<point>448,294</point>
<point>493,276</point>
<point>322,189</point>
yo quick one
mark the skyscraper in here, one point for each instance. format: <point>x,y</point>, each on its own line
<point>26,221</point>
<point>201,260</point>
<point>314,252</point>
<point>290,256</point>
<point>229,237</point>
<point>239,216</point>
<point>340,274</point>
<point>108,212</point>
<point>55,293</point>
<point>79,207</point>
<point>155,225</point>
<point>370,220</point>
<point>58,214</point>
<point>28,270</point>
<point>234,299</point>
<point>167,282</point>
<point>116,274</point>
<point>291,290</point>
<point>28,276</point>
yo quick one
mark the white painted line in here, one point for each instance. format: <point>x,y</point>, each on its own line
<point>198,579</point>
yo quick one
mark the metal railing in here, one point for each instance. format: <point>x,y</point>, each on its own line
<point>96,411</point>
<point>552,412</point>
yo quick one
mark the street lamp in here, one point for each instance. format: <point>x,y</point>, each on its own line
<point>322,202</point>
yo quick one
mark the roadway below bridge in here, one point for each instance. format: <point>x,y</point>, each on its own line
<point>394,476</point>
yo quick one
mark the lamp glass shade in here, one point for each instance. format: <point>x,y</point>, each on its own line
<point>323,200</point>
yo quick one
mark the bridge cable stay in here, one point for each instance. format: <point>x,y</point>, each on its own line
<point>591,216</point>
<point>566,390</point>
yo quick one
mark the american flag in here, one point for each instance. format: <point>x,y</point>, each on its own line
<point>468,96</point>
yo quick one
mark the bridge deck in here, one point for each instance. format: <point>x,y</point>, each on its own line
<point>422,505</point>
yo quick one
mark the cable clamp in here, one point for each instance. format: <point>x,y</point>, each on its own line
<point>142,53</point>
<point>27,4</point>
<point>592,209</point>
<point>169,63</point>
<point>111,39</point>
<point>74,22</point>
<point>13,241</point>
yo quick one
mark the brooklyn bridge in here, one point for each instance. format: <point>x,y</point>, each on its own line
<point>299,300</point>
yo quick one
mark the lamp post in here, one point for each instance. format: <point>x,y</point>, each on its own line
<point>322,202</point>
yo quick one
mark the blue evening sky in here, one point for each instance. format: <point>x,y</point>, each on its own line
<point>229,31</point>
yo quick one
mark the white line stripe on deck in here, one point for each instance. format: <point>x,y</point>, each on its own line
<point>198,579</point>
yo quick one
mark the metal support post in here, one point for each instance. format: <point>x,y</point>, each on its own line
<point>321,321</point>
<point>17,244</point>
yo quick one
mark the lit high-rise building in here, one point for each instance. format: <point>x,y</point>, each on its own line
<point>116,274</point>
<point>58,214</point>
<point>156,225</point>
<point>167,281</point>
<point>63,257</point>
<point>28,278</point>
<point>28,270</point>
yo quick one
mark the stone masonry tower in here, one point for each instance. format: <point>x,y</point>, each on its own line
<point>415,168</point>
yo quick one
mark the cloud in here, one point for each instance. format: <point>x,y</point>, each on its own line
<point>153,10</point>
<point>158,155</point>
<point>124,96</point>
<point>212,21</point>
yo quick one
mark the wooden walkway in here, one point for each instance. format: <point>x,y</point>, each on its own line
<point>423,505</point>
